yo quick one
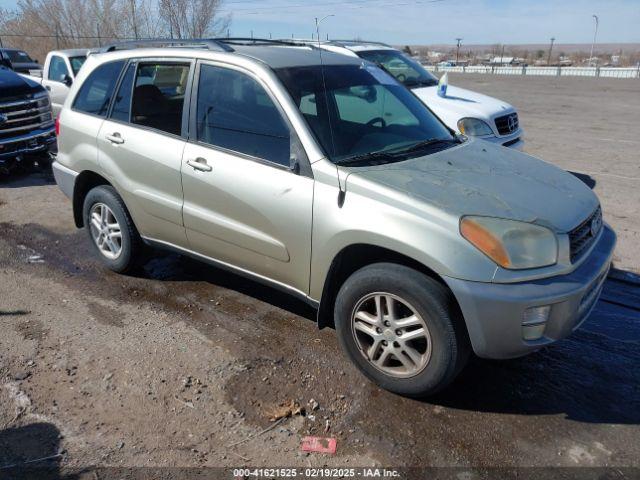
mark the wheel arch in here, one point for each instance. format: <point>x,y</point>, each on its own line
<point>85,181</point>
<point>350,259</point>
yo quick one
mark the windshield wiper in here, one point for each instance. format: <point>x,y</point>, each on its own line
<point>424,144</point>
<point>394,154</point>
<point>365,157</point>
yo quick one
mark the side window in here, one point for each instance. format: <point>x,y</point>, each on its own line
<point>236,113</point>
<point>96,91</point>
<point>57,69</point>
<point>122,103</point>
<point>158,96</point>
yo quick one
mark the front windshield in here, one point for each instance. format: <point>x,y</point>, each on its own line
<point>404,68</point>
<point>18,56</point>
<point>364,110</point>
<point>76,63</point>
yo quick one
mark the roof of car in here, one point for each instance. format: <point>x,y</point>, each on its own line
<point>353,45</point>
<point>293,56</point>
<point>274,53</point>
<point>73,52</point>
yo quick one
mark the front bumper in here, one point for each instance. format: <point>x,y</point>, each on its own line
<point>38,141</point>
<point>494,312</point>
<point>515,140</point>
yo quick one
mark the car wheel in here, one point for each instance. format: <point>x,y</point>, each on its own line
<point>401,328</point>
<point>111,229</point>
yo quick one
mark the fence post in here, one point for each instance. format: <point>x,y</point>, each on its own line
<point>558,72</point>
<point>1,46</point>
<point>464,69</point>
<point>597,72</point>
<point>524,70</point>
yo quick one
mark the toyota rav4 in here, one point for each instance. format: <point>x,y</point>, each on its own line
<point>325,177</point>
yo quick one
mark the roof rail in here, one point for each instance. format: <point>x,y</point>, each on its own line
<point>208,43</point>
<point>258,41</point>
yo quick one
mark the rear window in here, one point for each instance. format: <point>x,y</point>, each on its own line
<point>97,90</point>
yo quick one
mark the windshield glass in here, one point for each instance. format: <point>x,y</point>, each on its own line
<point>76,63</point>
<point>18,56</point>
<point>404,68</point>
<point>364,111</point>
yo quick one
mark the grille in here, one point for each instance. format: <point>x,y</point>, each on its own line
<point>19,117</point>
<point>583,236</point>
<point>507,124</point>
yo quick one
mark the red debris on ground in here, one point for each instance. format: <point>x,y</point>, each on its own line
<point>319,445</point>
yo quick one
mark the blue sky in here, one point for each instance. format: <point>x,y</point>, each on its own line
<point>439,21</point>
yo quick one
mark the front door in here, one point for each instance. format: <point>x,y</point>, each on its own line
<point>244,204</point>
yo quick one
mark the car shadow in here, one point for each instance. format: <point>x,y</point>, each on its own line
<point>31,451</point>
<point>592,376</point>
<point>174,267</point>
<point>35,178</point>
<point>588,180</point>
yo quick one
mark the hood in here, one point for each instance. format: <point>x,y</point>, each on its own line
<point>14,85</point>
<point>459,103</point>
<point>479,178</point>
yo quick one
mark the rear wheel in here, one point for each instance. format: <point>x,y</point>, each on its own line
<point>111,229</point>
<point>401,328</point>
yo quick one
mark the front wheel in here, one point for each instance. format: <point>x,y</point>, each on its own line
<point>111,229</point>
<point>401,328</point>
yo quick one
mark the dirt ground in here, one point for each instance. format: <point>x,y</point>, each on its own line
<point>184,364</point>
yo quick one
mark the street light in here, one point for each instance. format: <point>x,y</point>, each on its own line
<point>595,34</point>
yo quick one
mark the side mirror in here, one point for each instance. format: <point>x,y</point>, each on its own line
<point>67,80</point>
<point>36,60</point>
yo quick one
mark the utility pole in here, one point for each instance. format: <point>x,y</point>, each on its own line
<point>459,42</point>
<point>553,39</point>
<point>595,34</point>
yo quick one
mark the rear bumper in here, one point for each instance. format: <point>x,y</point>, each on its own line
<point>494,313</point>
<point>37,141</point>
<point>65,178</point>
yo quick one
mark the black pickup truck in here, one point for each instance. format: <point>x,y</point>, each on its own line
<point>27,130</point>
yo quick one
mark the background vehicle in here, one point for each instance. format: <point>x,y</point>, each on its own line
<point>26,124</point>
<point>21,62</point>
<point>461,110</point>
<point>60,70</point>
<point>248,153</point>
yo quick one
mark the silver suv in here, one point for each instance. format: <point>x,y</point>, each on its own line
<point>319,174</point>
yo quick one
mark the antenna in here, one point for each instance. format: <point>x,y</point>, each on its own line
<point>324,87</point>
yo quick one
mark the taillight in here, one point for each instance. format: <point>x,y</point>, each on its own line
<point>58,126</point>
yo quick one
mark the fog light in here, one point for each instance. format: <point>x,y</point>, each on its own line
<point>534,322</point>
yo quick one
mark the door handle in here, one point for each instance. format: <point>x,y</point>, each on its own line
<point>200,164</point>
<point>115,138</point>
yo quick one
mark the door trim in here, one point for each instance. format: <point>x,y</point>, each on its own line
<point>233,269</point>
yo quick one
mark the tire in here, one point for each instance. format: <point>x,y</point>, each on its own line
<point>130,253</point>
<point>439,351</point>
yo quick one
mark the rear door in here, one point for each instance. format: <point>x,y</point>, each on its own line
<point>248,190</point>
<point>142,142</point>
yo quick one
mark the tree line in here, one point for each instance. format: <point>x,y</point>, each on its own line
<point>39,26</point>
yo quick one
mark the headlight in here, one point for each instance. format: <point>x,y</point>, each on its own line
<point>474,126</point>
<point>511,244</point>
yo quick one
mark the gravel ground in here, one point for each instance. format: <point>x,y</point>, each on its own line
<point>183,365</point>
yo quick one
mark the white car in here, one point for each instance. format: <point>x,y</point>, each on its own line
<point>60,70</point>
<point>461,110</point>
